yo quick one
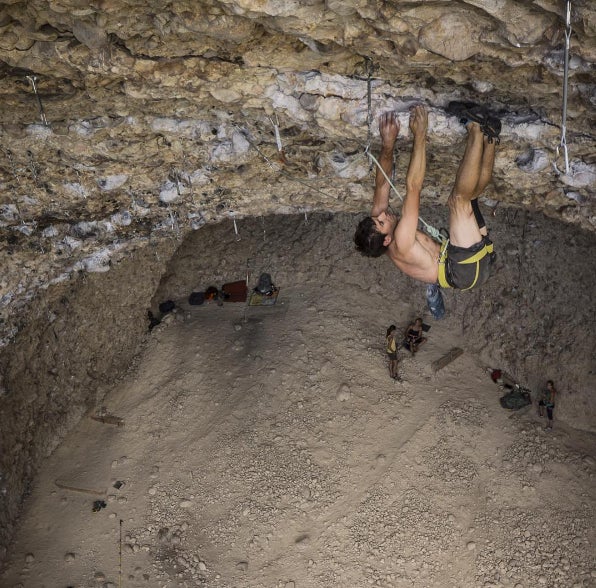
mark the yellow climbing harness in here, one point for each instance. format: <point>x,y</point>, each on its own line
<point>476,258</point>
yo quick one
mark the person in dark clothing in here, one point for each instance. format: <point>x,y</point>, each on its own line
<point>413,336</point>
<point>547,402</point>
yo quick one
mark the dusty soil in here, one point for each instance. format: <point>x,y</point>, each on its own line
<point>268,447</point>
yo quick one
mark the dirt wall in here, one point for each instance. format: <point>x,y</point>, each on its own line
<point>77,339</point>
<point>534,318</point>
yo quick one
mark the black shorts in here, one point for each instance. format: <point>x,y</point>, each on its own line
<point>392,356</point>
<point>461,272</point>
<point>549,409</point>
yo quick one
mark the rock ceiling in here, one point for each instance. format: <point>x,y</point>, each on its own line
<point>124,122</point>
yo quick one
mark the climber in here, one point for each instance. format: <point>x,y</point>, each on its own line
<point>463,261</point>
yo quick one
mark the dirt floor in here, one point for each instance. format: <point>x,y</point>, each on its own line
<point>268,447</point>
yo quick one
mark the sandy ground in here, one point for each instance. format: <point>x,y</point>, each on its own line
<point>268,447</point>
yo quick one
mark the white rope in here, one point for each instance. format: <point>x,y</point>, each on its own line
<point>369,72</point>
<point>432,231</point>
<point>563,143</point>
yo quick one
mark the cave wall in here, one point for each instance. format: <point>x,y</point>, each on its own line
<point>534,318</point>
<point>158,118</point>
<point>79,337</point>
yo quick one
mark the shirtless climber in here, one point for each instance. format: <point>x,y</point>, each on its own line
<point>464,261</point>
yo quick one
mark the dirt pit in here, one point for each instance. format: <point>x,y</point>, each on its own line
<point>267,447</point>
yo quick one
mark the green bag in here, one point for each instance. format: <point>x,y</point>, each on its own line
<point>517,398</point>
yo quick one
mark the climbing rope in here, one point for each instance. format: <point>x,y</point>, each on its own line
<point>369,72</point>
<point>42,115</point>
<point>563,144</point>
<point>432,231</point>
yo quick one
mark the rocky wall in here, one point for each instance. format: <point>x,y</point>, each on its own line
<point>76,340</point>
<point>122,121</point>
<point>534,318</point>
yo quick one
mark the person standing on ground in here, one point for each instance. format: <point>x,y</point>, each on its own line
<point>391,348</point>
<point>548,401</point>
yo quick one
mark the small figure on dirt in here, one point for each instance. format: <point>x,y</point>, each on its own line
<point>413,336</point>
<point>391,348</point>
<point>547,401</point>
<point>463,261</point>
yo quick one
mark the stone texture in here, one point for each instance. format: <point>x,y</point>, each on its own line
<point>161,121</point>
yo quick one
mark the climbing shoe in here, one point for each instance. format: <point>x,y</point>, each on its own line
<point>492,129</point>
<point>470,112</point>
<point>467,112</point>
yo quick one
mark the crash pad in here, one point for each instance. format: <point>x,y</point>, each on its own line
<point>258,299</point>
<point>235,291</point>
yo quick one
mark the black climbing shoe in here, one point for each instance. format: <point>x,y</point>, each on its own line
<point>470,112</point>
<point>467,112</point>
<point>492,129</point>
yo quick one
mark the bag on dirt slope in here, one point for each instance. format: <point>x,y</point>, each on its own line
<point>517,398</point>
